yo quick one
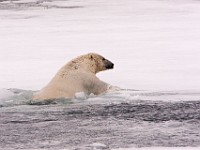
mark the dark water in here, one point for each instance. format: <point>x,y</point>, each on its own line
<point>80,125</point>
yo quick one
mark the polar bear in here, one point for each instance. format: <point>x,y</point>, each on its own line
<point>78,75</point>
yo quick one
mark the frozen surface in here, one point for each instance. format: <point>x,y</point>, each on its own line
<point>153,43</point>
<point>155,47</point>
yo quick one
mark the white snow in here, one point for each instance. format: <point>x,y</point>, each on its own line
<point>153,43</point>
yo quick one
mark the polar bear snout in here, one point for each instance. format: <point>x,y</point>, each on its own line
<point>109,65</point>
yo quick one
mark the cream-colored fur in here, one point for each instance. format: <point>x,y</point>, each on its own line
<point>78,75</point>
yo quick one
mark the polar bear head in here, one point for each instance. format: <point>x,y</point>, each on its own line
<point>99,63</point>
<point>91,62</point>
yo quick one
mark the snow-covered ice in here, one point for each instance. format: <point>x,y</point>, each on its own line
<point>154,44</point>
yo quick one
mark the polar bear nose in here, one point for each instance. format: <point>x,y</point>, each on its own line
<point>109,65</point>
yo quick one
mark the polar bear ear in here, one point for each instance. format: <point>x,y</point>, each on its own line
<point>91,57</point>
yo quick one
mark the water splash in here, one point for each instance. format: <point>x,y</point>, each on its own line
<point>12,97</point>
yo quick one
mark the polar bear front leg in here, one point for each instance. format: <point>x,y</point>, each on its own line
<point>98,87</point>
